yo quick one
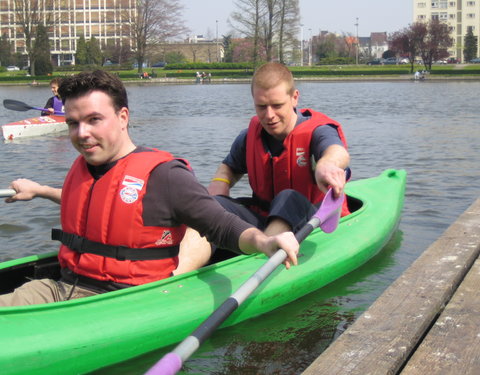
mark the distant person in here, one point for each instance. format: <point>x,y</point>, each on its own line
<point>125,208</point>
<point>54,104</point>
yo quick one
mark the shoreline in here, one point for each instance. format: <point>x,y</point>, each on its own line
<point>188,81</point>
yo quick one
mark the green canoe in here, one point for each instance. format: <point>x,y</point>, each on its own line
<point>79,336</point>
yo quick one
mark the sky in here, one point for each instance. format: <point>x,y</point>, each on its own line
<point>332,15</point>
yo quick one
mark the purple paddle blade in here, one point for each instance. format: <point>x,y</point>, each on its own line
<point>329,212</point>
<point>170,364</point>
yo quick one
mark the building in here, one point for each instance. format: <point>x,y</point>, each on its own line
<point>194,49</point>
<point>460,15</point>
<point>67,20</point>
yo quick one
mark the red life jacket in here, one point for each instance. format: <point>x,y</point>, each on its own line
<point>107,213</point>
<point>293,169</point>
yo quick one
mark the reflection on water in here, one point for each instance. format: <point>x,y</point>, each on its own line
<point>428,128</point>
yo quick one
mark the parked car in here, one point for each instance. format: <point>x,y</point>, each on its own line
<point>441,62</point>
<point>11,68</point>
<point>404,60</point>
<point>391,61</point>
<point>475,60</point>
<point>159,64</point>
<point>452,60</point>
<point>375,62</point>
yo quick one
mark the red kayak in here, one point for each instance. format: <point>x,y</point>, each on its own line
<point>35,126</point>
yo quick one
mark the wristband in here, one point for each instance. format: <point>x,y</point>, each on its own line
<point>221,180</point>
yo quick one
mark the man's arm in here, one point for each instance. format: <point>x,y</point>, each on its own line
<point>330,169</point>
<point>223,180</point>
<point>28,189</point>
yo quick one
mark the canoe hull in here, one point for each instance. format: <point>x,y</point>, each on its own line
<point>70,337</point>
<point>34,127</point>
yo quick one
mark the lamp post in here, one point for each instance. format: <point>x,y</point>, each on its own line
<point>358,43</point>
<point>310,48</point>
<point>216,40</point>
<point>301,44</point>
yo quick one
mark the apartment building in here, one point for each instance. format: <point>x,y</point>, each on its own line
<point>460,15</point>
<point>67,20</point>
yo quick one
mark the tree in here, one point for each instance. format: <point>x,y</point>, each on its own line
<point>81,55</point>
<point>408,41</point>
<point>6,50</point>
<point>154,22</point>
<point>246,20</point>
<point>29,14</point>
<point>94,52</point>
<point>436,43</point>
<point>227,48</point>
<point>41,52</point>
<point>288,28</point>
<point>267,23</point>
<point>471,45</point>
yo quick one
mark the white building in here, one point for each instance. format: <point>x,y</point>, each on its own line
<point>460,16</point>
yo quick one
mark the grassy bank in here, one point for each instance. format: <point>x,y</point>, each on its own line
<point>316,72</point>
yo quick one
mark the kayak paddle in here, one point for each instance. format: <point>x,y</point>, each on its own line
<point>16,105</point>
<point>5,193</point>
<point>326,217</point>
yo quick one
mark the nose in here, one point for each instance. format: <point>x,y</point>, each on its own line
<point>269,112</point>
<point>82,130</point>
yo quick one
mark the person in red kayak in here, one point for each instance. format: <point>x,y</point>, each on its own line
<point>54,104</point>
<point>125,208</point>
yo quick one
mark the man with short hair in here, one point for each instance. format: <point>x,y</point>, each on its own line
<point>291,157</point>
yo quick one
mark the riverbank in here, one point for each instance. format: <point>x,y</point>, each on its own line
<point>314,73</point>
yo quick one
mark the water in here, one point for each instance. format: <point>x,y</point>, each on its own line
<point>428,128</point>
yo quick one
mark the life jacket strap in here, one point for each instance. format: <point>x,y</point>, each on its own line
<point>83,245</point>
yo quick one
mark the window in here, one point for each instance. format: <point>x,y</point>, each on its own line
<point>470,16</point>
<point>470,3</point>
<point>434,4</point>
<point>443,16</point>
<point>421,17</point>
<point>421,5</point>
<point>451,4</point>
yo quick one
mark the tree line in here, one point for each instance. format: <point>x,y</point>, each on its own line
<point>261,30</point>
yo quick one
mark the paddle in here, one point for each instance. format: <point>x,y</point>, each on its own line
<point>5,193</point>
<point>16,105</point>
<point>326,218</point>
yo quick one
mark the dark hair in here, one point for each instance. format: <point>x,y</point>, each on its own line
<point>98,80</point>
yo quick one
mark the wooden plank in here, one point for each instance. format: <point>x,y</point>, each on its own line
<point>452,346</point>
<point>384,337</point>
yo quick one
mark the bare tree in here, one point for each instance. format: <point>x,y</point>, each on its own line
<point>288,27</point>
<point>154,22</point>
<point>29,14</point>
<point>267,22</point>
<point>247,20</point>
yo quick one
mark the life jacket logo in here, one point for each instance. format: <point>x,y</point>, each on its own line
<point>301,160</point>
<point>166,238</point>
<point>132,185</point>
<point>129,194</point>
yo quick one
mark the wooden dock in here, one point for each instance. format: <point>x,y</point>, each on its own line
<point>427,322</point>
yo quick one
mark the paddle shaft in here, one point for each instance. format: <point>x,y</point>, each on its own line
<point>186,348</point>
<point>5,193</point>
<point>16,105</point>
<point>171,363</point>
